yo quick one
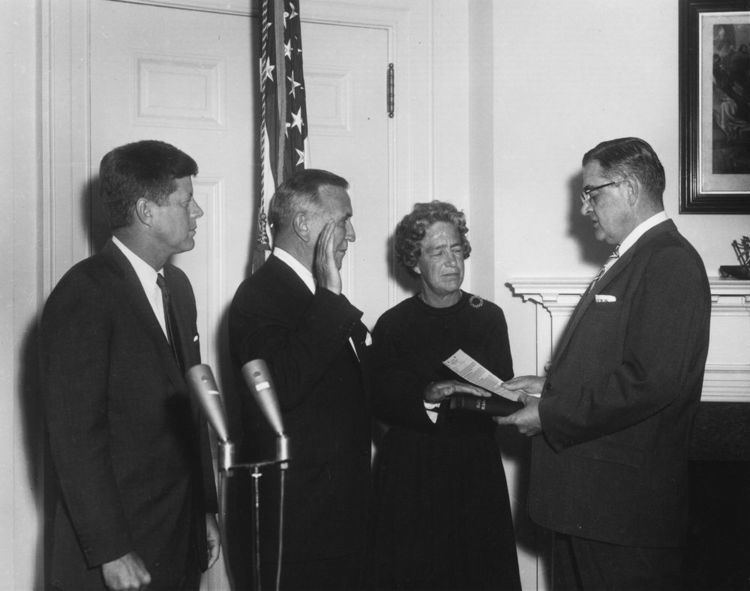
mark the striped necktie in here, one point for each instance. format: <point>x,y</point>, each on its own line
<point>605,267</point>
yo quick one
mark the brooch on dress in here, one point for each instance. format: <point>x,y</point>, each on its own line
<point>476,301</point>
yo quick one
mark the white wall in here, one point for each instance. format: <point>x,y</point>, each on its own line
<point>519,91</point>
<point>19,297</point>
<point>567,75</point>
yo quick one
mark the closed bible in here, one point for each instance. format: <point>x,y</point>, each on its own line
<point>492,405</point>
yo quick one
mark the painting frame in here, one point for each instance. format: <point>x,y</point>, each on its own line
<point>714,130</point>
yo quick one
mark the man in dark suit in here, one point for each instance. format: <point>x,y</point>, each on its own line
<point>609,470</point>
<point>292,314</point>
<point>131,456</point>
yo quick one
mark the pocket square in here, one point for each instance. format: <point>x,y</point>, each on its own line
<point>604,298</point>
<point>195,339</point>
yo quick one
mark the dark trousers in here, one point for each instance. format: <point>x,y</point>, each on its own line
<point>588,565</point>
<point>330,574</point>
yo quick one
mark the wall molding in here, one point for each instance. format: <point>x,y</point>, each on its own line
<point>66,128</point>
<point>727,377</point>
<point>236,7</point>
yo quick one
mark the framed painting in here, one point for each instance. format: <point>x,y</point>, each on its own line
<point>714,106</point>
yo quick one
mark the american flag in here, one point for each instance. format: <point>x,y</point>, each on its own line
<point>283,129</point>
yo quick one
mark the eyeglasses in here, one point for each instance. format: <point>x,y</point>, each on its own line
<point>586,196</point>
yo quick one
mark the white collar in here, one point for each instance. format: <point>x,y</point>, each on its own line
<point>640,230</point>
<point>147,277</point>
<point>302,272</point>
<point>145,272</point>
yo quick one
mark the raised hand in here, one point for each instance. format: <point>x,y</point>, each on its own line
<point>326,271</point>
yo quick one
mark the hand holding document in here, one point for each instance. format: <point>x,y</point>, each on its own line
<point>504,404</point>
<point>474,372</point>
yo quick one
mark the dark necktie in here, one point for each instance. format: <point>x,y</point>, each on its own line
<point>172,334</point>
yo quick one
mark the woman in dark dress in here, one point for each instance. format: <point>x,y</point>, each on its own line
<point>442,517</point>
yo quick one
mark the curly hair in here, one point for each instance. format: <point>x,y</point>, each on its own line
<point>411,230</point>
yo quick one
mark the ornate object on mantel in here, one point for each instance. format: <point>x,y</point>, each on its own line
<point>742,250</point>
<point>727,376</point>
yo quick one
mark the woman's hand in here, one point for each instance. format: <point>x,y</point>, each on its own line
<point>439,391</point>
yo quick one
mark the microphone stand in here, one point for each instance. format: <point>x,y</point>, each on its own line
<point>256,525</point>
<point>202,384</point>
<point>227,464</point>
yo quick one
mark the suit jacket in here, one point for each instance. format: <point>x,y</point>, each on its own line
<point>304,338</point>
<point>131,456</point>
<point>620,397</point>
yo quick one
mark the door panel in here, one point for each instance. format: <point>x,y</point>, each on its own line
<point>345,74</point>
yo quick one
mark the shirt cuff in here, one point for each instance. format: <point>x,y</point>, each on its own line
<point>432,410</point>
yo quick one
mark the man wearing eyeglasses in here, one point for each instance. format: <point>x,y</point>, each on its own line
<point>612,418</point>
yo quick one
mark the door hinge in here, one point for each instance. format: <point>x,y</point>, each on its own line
<point>391,91</point>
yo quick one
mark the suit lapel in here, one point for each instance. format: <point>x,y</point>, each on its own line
<point>287,275</point>
<point>131,292</point>
<point>605,281</point>
<point>187,341</point>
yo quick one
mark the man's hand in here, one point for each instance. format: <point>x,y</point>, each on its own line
<point>527,419</point>
<point>525,384</point>
<point>326,271</point>
<point>126,573</point>
<point>213,539</point>
<point>439,391</point>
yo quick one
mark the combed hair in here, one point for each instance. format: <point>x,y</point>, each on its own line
<point>141,169</point>
<point>299,192</point>
<point>631,156</point>
<point>412,229</point>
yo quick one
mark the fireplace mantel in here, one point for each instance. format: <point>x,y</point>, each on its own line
<point>727,376</point>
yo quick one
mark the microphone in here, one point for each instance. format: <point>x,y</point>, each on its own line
<point>258,379</point>
<point>202,384</point>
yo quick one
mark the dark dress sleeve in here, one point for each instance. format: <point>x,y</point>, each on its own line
<point>397,387</point>
<point>497,347</point>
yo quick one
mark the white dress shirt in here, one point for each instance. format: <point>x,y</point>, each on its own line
<point>147,277</point>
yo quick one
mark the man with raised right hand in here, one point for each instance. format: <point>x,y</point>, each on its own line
<point>292,314</point>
